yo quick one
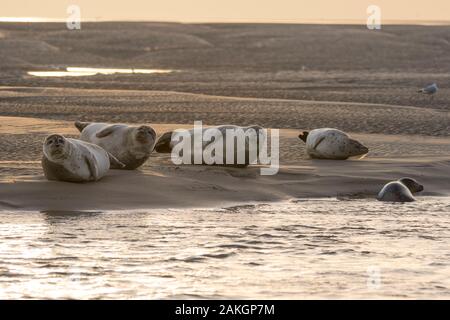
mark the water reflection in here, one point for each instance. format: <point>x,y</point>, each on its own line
<point>323,248</point>
<point>81,72</point>
<point>61,216</point>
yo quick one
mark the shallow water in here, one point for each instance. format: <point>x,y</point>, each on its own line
<point>82,72</point>
<point>324,248</point>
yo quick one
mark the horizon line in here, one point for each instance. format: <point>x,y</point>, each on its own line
<point>243,21</point>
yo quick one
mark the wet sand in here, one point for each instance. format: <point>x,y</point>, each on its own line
<point>161,184</point>
<point>289,77</point>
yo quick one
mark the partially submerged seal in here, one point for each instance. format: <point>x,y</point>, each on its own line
<point>400,191</point>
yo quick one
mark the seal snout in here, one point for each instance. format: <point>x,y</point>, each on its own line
<point>364,149</point>
<point>145,134</point>
<point>357,148</point>
<point>55,141</point>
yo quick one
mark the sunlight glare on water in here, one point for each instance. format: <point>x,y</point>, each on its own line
<point>80,72</point>
<point>296,249</point>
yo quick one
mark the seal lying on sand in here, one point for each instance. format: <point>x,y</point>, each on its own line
<point>74,160</point>
<point>400,191</point>
<point>131,145</point>
<point>169,140</point>
<point>328,143</point>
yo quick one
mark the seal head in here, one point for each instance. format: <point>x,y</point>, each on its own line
<point>56,147</point>
<point>145,135</point>
<point>355,148</point>
<point>412,184</point>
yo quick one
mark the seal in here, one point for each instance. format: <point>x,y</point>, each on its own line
<point>329,143</point>
<point>74,160</point>
<point>400,191</point>
<point>131,145</point>
<point>430,89</point>
<point>167,142</point>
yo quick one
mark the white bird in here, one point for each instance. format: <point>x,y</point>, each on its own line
<point>430,89</point>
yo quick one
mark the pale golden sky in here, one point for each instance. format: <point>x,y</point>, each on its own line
<point>230,10</point>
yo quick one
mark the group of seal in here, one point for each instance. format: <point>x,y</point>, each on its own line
<point>329,143</point>
<point>103,146</point>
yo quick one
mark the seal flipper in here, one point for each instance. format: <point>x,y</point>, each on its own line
<point>303,136</point>
<point>114,163</point>
<point>107,131</point>
<point>81,125</point>
<point>93,167</point>
<point>54,171</point>
<point>163,143</point>
<point>318,142</point>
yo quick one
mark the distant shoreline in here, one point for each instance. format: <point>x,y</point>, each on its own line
<point>277,21</point>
